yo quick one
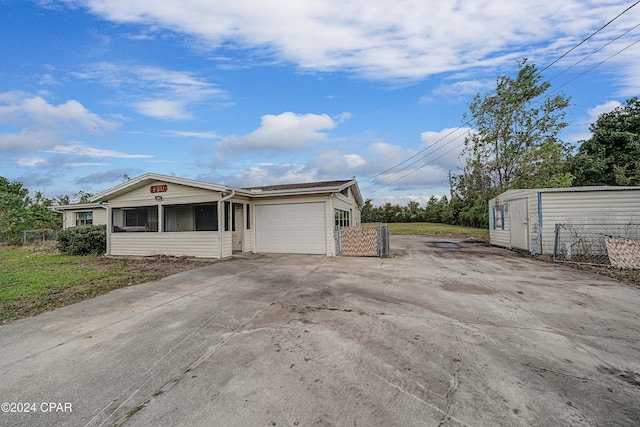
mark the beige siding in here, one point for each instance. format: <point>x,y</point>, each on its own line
<point>227,244</point>
<point>202,244</point>
<point>99,217</point>
<point>175,194</point>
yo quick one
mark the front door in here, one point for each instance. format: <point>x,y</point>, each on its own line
<point>519,224</point>
<point>237,227</point>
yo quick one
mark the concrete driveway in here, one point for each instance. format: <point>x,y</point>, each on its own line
<point>469,336</point>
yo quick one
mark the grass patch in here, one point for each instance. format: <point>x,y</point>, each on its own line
<point>33,281</point>
<point>434,228</point>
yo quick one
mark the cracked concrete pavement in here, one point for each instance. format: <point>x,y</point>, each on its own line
<point>475,336</point>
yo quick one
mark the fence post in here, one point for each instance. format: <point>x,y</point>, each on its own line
<point>555,243</point>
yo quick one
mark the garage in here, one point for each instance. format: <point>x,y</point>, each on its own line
<point>291,228</point>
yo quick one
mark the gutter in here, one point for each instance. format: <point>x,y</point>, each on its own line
<point>221,218</point>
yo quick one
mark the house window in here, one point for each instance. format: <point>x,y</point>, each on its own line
<point>345,192</point>
<point>135,219</point>
<point>498,217</point>
<point>206,217</point>
<point>84,218</point>
<point>198,217</point>
<point>342,218</point>
<point>248,210</point>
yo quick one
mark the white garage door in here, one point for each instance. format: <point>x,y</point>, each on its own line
<point>291,228</point>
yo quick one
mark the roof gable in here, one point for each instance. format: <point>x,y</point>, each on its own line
<point>149,178</point>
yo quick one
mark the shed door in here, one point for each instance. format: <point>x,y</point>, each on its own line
<point>291,228</point>
<point>519,224</point>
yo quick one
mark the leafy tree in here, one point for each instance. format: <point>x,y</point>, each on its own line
<point>20,212</point>
<point>515,144</point>
<point>612,155</point>
<point>14,204</point>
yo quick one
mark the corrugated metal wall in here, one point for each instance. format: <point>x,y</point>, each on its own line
<point>565,206</point>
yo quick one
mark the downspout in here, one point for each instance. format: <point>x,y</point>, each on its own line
<point>539,234</point>
<point>221,219</point>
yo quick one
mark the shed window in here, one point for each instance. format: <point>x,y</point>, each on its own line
<point>84,218</point>
<point>498,217</point>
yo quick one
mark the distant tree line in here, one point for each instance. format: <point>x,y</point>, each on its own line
<point>515,144</point>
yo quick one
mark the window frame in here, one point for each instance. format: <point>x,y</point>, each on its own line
<point>500,217</point>
<point>87,218</point>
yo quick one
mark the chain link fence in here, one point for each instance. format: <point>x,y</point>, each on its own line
<point>616,245</point>
<point>365,240</point>
<point>28,236</point>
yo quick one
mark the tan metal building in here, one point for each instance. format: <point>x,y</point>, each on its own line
<point>526,219</point>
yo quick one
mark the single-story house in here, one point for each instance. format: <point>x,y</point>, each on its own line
<point>156,214</point>
<point>526,219</point>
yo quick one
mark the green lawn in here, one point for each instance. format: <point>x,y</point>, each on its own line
<point>32,282</point>
<point>433,228</point>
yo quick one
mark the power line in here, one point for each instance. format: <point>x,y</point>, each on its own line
<point>418,153</point>
<point>594,52</point>
<point>594,66</point>
<point>592,34</point>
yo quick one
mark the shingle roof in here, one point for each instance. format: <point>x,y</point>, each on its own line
<point>299,186</point>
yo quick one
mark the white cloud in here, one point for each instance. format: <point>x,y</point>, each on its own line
<point>31,161</point>
<point>190,134</point>
<point>29,122</point>
<point>81,150</point>
<point>464,88</point>
<point>444,147</point>
<point>354,160</point>
<point>286,131</point>
<point>598,110</point>
<point>380,39</point>
<point>174,92</point>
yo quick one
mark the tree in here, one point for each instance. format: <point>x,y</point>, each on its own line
<point>20,212</point>
<point>612,155</point>
<point>515,143</point>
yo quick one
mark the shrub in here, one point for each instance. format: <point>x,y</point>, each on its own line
<point>88,240</point>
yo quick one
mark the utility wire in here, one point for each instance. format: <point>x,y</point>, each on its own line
<point>594,52</point>
<point>418,153</point>
<point>592,34</point>
<point>594,66</point>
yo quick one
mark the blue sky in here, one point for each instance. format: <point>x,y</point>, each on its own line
<point>266,92</point>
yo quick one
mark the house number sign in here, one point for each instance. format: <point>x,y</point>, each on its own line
<point>158,188</point>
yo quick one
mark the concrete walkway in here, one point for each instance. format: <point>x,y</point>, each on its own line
<point>469,336</point>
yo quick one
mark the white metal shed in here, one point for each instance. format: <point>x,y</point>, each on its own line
<point>526,219</point>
